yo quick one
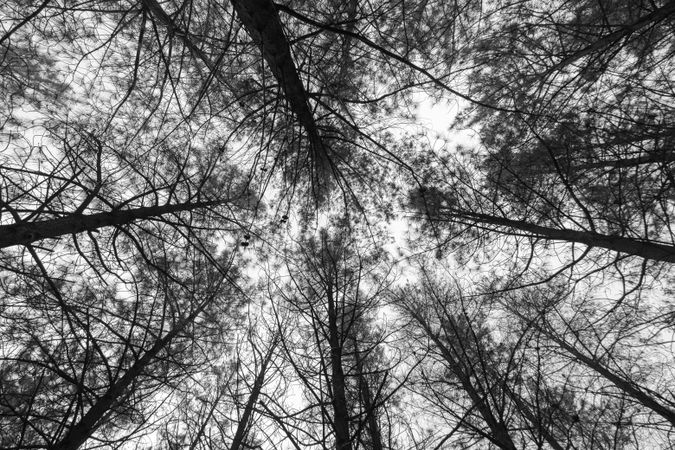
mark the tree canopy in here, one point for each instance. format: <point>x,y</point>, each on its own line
<point>410,224</point>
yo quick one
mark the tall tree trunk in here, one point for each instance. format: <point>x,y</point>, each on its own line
<point>261,20</point>
<point>625,385</point>
<point>80,432</point>
<point>339,400</point>
<point>368,403</point>
<point>637,247</point>
<point>242,427</point>
<point>498,431</point>
<point>26,233</point>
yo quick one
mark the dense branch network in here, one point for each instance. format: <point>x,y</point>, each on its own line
<point>225,224</point>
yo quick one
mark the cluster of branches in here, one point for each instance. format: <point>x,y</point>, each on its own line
<point>142,141</point>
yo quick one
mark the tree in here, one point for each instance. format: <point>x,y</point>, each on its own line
<point>460,360</point>
<point>575,132</point>
<point>334,352</point>
<point>219,408</point>
<point>85,359</point>
<point>604,357</point>
<point>493,372</point>
<point>438,206</point>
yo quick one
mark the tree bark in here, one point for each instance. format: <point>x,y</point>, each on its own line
<point>29,232</point>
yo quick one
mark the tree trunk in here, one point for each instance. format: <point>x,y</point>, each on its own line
<point>623,384</point>
<point>158,13</point>
<point>80,432</point>
<point>368,404</point>
<point>242,427</point>
<point>650,19</point>
<point>535,421</point>
<point>650,158</point>
<point>26,233</point>
<point>498,431</point>
<point>261,20</point>
<point>339,400</point>
<point>644,249</point>
<point>620,163</point>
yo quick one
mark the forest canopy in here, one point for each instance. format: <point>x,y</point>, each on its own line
<point>410,224</point>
